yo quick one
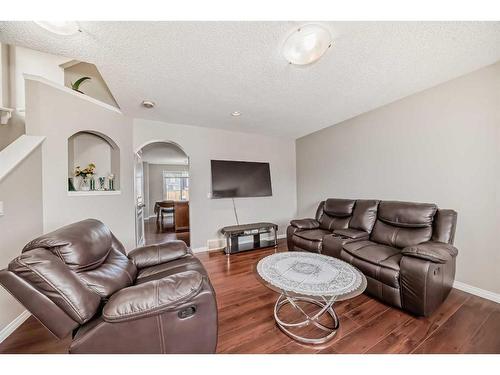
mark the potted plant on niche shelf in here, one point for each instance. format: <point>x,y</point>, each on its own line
<point>76,86</point>
<point>87,176</point>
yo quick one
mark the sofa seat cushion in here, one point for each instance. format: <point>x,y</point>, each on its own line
<point>115,273</point>
<point>351,233</point>
<point>152,298</point>
<point>151,255</point>
<point>305,223</point>
<point>377,261</point>
<point>373,252</point>
<point>162,270</point>
<point>313,234</point>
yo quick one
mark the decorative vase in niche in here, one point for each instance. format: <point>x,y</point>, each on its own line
<point>84,184</point>
<point>71,187</point>
<point>111,182</point>
<point>102,181</point>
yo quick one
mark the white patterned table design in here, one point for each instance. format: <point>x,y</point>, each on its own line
<point>311,278</point>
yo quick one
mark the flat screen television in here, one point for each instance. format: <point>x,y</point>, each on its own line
<point>238,179</point>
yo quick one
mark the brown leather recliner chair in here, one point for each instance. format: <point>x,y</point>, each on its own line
<point>404,249</point>
<point>78,280</point>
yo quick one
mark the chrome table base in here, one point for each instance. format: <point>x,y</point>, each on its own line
<point>325,306</point>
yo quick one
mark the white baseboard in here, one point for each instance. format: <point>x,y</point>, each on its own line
<point>201,249</point>
<point>12,326</point>
<point>495,297</point>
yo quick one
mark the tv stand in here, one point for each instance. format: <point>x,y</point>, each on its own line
<point>234,232</point>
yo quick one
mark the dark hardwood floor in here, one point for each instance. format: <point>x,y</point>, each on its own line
<point>463,324</point>
<point>155,233</point>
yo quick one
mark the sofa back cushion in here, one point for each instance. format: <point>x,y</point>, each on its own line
<point>364,215</point>
<point>335,213</point>
<point>402,224</point>
<point>49,275</point>
<point>445,223</point>
<point>92,253</point>
<point>82,245</point>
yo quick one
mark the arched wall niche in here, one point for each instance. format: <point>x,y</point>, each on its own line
<point>89,146</point>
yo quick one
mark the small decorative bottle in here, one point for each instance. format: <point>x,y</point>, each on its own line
<point>92,183</point>
<point>111,182</point>
<point>84,184</point>
<point>102,181</point>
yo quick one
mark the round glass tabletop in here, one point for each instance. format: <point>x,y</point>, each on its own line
<point>310,274</point>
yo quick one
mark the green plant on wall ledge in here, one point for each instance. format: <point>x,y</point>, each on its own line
<point>76,86</point>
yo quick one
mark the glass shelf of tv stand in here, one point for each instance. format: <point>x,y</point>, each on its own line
<point>235,232</point>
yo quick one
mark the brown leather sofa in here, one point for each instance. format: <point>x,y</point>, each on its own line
<point>78,280</point>
<point>404,249</point>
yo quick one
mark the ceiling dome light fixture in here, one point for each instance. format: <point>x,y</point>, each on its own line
<point>236,113</point>
<point>60,27</point>
<point>148,104</point>
<point>307,44</point>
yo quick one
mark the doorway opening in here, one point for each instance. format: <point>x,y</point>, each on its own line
<point>161,193</point>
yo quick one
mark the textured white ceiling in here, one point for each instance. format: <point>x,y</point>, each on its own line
<point>199,72</point>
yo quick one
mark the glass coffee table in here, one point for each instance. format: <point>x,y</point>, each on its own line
<point>308,278</point>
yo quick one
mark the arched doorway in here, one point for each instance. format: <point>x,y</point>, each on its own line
<point>161,193</point>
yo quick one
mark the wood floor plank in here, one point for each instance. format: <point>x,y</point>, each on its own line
<point>367,311</point>
<point>347,325</point>
<point>154,233</point>
<point>452,336</point>
<point>343,307</point>
<point>408,336</point>
<point>234,324</point>
<point>369,334</point>
<point>485,340</point>
<point>464,323</point>
<point>32,337</point>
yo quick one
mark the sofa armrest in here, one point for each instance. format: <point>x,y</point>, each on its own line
<point>152,255</point>
<point>305,223</point>
<point>153,297</point>
<point>436,252</point>
<point>354,234</point>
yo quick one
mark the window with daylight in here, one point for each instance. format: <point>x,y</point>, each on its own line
<point>176,186</point>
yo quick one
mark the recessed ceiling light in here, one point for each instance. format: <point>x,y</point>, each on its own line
<point>148,104</point>
<point>307,44</point>
<point>60,27</point>
<point>236,113</point>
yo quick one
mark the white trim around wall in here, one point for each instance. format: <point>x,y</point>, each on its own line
<point>12,326</point>
<point>17,151</point>
<point>58,86</point>
<point>202,249</point>
<point>495,297</point>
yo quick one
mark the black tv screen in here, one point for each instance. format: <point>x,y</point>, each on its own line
<point>231,179</point>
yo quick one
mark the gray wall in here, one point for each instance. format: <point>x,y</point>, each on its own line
<point>441,145</point>
<point>16,62</point>
<point>202,144</point>
<point>21,192</point>
<point>56,112</point>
